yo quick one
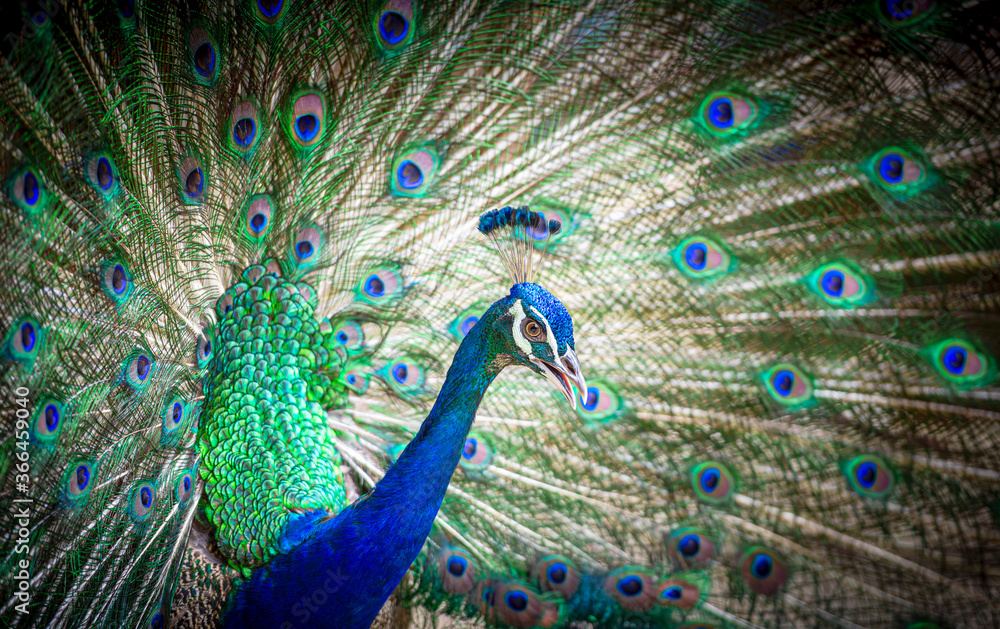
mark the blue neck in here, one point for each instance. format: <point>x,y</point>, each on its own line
<point>340,571</point>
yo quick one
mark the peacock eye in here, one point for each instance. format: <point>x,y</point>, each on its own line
<point>532,330</point>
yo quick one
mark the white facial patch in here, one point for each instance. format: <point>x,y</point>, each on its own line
<point>523,344</point>
<point>517,311</point>
<point>550,338</point>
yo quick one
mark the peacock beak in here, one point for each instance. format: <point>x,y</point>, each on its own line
<point>565,373</point>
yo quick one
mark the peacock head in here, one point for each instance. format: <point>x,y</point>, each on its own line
<point>535,327</point>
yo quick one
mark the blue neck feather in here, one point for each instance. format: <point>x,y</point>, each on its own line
<point>339,572</point>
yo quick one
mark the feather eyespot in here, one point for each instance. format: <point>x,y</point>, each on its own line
<point>869,476</point>
<point>244,126</point>
<point>678,593</point>
<point>600,404</point>
<point>116,281</point>
<point>904,12</point>
<point>307,247</point>
<point>126,11</point>
<point>156,622</point>
<point>691,548</point>
<point>192,180</point>
<point>477,453</point>
<point>307,124</point>
<point>203,57</point>
<point>515,604</point>
<point>173,414</point>
<point>393,25</point>
<point>269,11</point>
<point>139,369</point>
<point>101,173</point>
<point>557,574</point>
<point>788,385</point>
<point>404,375</point>
<point>142,501</point>
<point>466,320</point>
<point>185,485</point>
<point>78,479</point>
<point>713,482</point>
<point>24,340</point>
<point>456,570</point>
<point>961,363</point>
<point>702,258</point>
<point>349,335</point>
<point>413,173</point>
<point>840,285</point>
<point>204,348</point>
<point>763,571</point>
<point>727,113</point>
<point>382,286</point>
<point>356,381</point>
<point>26,188</point>
<point>48,420</point>
<point>257,217</point>
<point>632,588</point>
<point>898,171</point>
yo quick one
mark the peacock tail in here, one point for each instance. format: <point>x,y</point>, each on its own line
<point>239,247</point>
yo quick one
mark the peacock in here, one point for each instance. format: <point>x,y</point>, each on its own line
<point>266,264</point>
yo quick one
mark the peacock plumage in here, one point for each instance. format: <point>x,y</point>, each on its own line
<point>241,241</point>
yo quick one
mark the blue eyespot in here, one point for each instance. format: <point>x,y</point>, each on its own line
<point>954,359</point>
<point>399,372</point>
<point>194,183</point>
<point>31,190</point>
<point>77,479</point>
<point>306,127</point>
<point>696,255</point>
<point>689,545</point>
<point>28,336</point>
<point>477,454</point>
<point>307,245</point>
<point>342,337</point>
<point>784,381</point>
<point>557,573</point>
<point>393,27</point>
<point>710,479</point>
<point>258,222</point>
<point>244,131</point>
<point>866,473</point>
<point>119,280</point>
<point>156,622</point>
<point>105,176</point>
<point>673,593</point>
<point>833,283</point>
<point>630,586</point>
<point>593,397</point>
<point>518,601</point>
<point>270,8</point>
<point>762,566</point>
<point>409,175</point>
<point>720,113</point>
<point>457,565</point>
<point>51,417</point>
<point>142,501</point>
<point>204,59</point>
<point>890,168</point>
<point>352,379</point>
<point>374,286</point>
